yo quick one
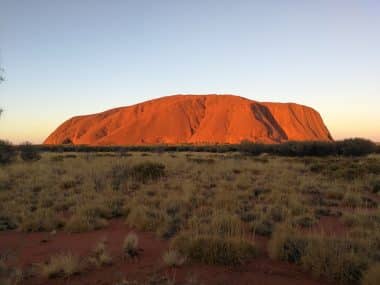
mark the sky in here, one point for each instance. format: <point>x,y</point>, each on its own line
<point>73,57</point>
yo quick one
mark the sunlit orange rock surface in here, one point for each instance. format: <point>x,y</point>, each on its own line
<point>196,119</point>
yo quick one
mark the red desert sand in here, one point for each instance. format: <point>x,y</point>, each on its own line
<point>194,119</point>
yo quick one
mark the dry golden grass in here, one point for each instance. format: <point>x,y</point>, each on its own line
<point>205,203</point>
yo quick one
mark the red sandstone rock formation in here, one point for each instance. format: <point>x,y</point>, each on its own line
<point>196,119</point>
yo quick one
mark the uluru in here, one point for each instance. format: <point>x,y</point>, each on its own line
<point>194,119</point>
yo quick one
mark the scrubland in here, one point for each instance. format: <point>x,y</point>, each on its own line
<point>217,210</point>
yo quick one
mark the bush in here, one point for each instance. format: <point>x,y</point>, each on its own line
<point>285,245</point>
<point>337,260</point>
<point>356,147</point>
<point>83,221</point>
<point>340,260</point>
<point>40,220</point>
<point>305,221</point>
<point>372,275</point>
<point>28,152</point>
<point>64,265</point>
<point>143,218</point>
<point>147,171</point>
<point>214,250</point>
<point>7,152</point>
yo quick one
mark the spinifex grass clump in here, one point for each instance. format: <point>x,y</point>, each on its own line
<point>343,260</point>
<point>131,246</point>
<point>64,264</point>
<point>210,249</point>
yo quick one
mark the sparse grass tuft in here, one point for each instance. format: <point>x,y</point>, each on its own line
<point>173,258</point>
<point>131,246</point>
<point>100,255</point>
<point>65,265</point>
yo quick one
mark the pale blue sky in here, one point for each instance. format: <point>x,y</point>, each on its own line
<point>71,57</point>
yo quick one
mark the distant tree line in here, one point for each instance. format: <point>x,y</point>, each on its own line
<point>348,147</point>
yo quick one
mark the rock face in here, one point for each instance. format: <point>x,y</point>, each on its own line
<point>196,119</point>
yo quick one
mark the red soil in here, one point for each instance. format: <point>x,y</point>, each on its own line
<point>33,248</point>
<point>194,119</point>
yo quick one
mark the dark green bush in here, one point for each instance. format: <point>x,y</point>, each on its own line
<point>356,147</point>
<point>28,152</point>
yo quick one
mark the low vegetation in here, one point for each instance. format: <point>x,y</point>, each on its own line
<point>211,207</point>
<point>64,264</point>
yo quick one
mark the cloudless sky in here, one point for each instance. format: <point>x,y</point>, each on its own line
<point>70,57</point>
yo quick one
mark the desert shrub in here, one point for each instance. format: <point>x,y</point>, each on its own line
<point>337,260</point>
<point>64,264</point>
<point>7,152</point>
<point>305,221</point>
<point>40,220</point>
<point>355,147</point>
<point>173,258</point>
<point>169,227</point>
<point>286,245</point>
<point>85,219</point>
<point>7,221</point>
<point>28,152</point>
<point>147,171</point>
<point>372,275</point>
<point>262,227</point>
<point>143,218</point>
<point>214,249</point>
<point>341,260</point>
<point>141,172</point>
<point>100,255</point>
<point>225,225</point>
